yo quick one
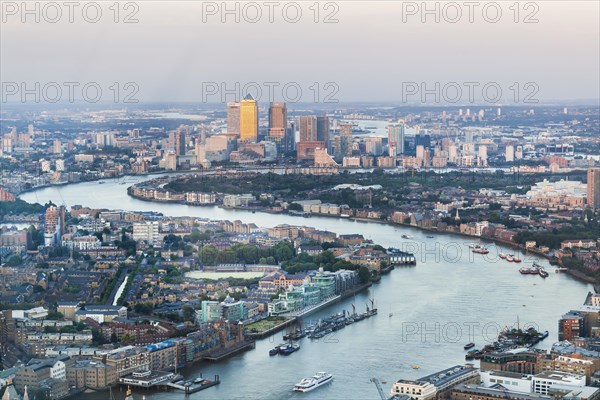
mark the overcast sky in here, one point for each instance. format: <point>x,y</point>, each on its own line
<point>368,53</point>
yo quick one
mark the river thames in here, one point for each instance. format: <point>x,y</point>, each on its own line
<point>451,297</point>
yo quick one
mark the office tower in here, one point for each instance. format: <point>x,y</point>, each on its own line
<point>468,136</point>
<point>423,139</point>
<point>519,152</point>
<point>307,127</point>
<point>509,153</point>
<point>482,156</point>
<point>249,119</point>
<point>593,188</point>
<point>396,139</point>
<point>346,130</point>
<point>179,144</point>
<point>277,120</point>
<point>323,130</point>
<point>233,117</point>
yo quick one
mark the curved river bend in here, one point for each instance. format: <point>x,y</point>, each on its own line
<point>436,306</point>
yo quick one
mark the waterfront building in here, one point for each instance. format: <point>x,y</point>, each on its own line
<point>547,381</point>
<point>515,381</point>
<point>570,326</point>
<point>210,311</point>
<point>513,361</point>
<point>92,374</point>
<point>238,200</point>
<point>472,392</point>
<point>126,359</point>
<point>232,310</point>
<point>248,119</point>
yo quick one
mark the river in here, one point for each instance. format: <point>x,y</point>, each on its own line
<point>436,306</point>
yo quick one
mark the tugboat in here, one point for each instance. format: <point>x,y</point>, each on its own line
<point>288,349</point>
<point>274,351</point>
<point>469,346</point>
<point>480,250</point>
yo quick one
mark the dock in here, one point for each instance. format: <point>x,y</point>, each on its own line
<point>192,387</point>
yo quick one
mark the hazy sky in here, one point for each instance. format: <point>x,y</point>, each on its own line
<point>368,54</point>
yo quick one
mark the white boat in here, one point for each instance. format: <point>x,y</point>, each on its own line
<point>308,384</point>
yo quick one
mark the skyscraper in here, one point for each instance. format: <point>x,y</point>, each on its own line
<point>593,188</point>
<point>249,119</point>
<point>307,125</point>
<point>346,129</point>
<point>323,130</point>
<point>233,117</point>
<point>180,142</point>
<point>277,120</point>
<point>396,138</point>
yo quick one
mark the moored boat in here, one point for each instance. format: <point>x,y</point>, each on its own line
<point>288,349</point>
<point>469,346</point>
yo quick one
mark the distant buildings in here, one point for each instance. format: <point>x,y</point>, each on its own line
<point>147,231</point>
<point>593,188</point>
<point>277,121</point>
<point>249,119</point>
<point>396,139</point>
<point>233,118</point>
<point>52,225</point>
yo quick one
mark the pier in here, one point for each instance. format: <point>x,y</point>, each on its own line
<point>196,386</point>
<point>219,354</point>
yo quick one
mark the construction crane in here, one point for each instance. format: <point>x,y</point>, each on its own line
<point>379,388</point>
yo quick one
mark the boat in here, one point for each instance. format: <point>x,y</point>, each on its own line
<point>509,258</point>
<point>406,237</point>
<point>503,256</point>
<point>469,346</point>
<point>430,237</point>
<point>288,349</point>
<point>415,366</point>
<point>274,351</point>
<point>198,381</point>
<point>543,273</point>
<point>517,259</point>
<point>308,384</point>
<point>480,250</point>
<point>528,271</point>
<point>128,396</point>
